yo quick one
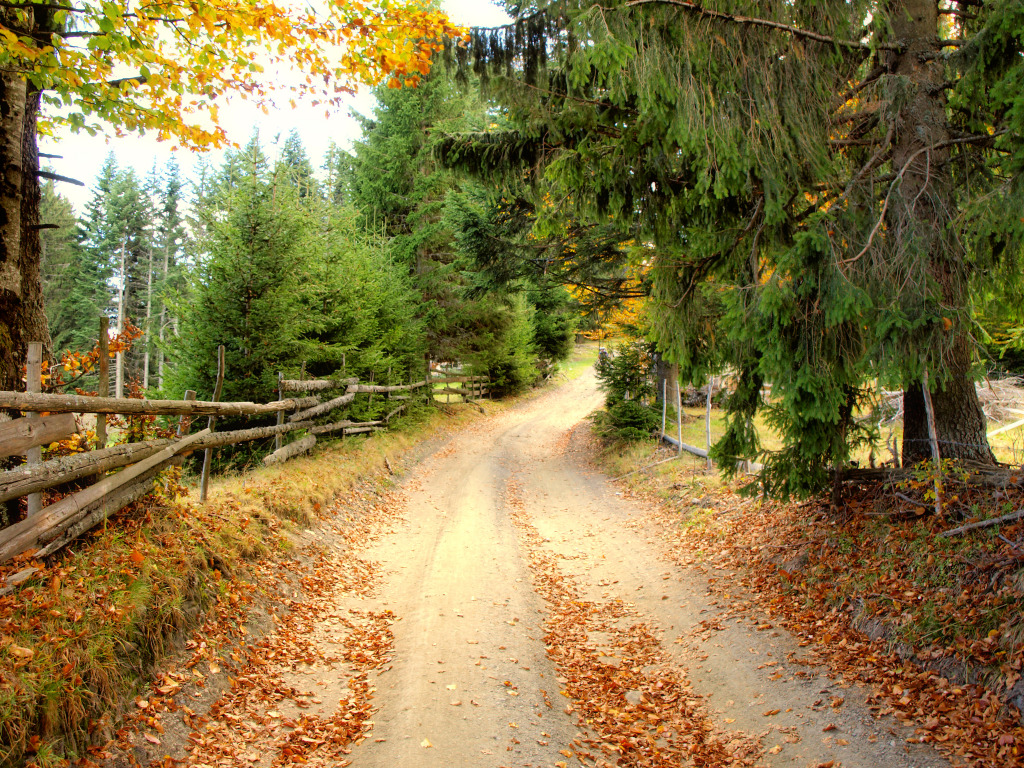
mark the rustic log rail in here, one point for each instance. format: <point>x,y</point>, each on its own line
<point>346,426</point>
<point>21,434</point>
<point>292,449</point>
<point>25,401</point>
<point>322,408</point>
<point>315,385</point>
<point>60,523</point>
<point>26,479</point>
<point>56,519</point>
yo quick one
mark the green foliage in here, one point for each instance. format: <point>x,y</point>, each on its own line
<point>502,346</point>
<point>814,214</point>
<point>358,307</point>
<point>627,377</point>
<point>74,290</point>
<point>554,322</point>
<point>243,292</point>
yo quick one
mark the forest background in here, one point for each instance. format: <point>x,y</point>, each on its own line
<point>359,267</point>
<point>827,246</point>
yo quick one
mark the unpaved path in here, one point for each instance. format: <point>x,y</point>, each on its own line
<point>508,607</point>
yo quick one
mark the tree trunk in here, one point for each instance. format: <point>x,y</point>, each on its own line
<point>959,420</point>
<point>919,221</point>
<point>163,319</point>
<point>122,300</point>
<point>149,317</point>
<point>13,288</point>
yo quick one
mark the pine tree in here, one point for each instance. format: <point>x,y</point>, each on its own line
<point>822,194</point>
<point>339,167</point>
<point>294,166</point>
<point>244,288</point>
<point>129,218</point>
<point>169,246</point>
<point>402,193</point>
<point>74,289</point>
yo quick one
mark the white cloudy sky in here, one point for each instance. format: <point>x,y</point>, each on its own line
<point>83,155</point>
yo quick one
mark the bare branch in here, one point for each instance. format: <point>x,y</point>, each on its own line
<point>899,177</point>
<point>58,177</point>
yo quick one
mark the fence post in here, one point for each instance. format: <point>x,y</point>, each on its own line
<point>664,404</point>
<point>707,420</point>
<point>679,417</point>
<point>33,383</point>
<point>280,414</point>
<point>208,454</point>
<point>933,440</point>
<point>184,423</point>
<point>103,388</point>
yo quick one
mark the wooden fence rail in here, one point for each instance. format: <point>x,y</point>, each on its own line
<point>63,521</point>
<point>56,519</point>
<point>315,385</point>
<point>25,401</point>
<point>21,434</point>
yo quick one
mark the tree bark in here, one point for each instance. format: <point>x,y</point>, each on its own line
<point>24,401</point>
<point>959,421</point>
<point>21,302</point>
<point>920,220</point>
<point>13,289</point>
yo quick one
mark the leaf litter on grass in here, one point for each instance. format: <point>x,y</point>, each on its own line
<point>931,625</point>
<point>300,695</point>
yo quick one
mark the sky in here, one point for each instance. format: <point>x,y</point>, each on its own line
<point>82,156</point>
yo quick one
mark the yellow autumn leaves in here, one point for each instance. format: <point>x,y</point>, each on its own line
<point>162,65</point>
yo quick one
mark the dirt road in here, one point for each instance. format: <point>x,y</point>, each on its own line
<point>508,607</point>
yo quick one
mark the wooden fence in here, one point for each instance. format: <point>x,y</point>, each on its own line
<point>47,529</point>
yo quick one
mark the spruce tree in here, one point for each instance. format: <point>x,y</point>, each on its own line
<point>295,167</point>
<point>169,245</point>
<point>74,288</point>
<point>400,191</point>
<point>824,185</point>
<point>243,289</point>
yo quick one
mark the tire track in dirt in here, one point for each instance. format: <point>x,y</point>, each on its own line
<point>642,711</point>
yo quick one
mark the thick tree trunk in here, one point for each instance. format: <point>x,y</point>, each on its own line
<point>918,221</point>
<point>13,99</point>
<point>21,302</point>
<point>959,420</point>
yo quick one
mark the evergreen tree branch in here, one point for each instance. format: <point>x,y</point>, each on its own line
<point>981,138</point>
<point>753,21</point>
